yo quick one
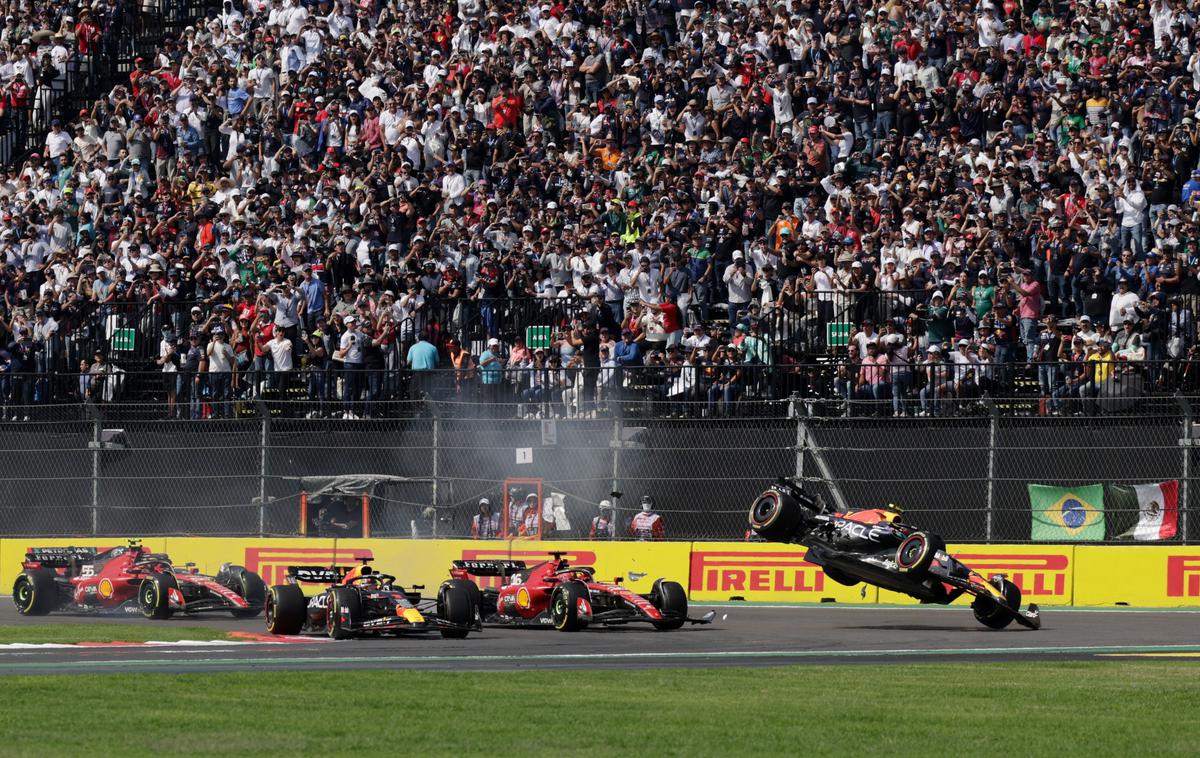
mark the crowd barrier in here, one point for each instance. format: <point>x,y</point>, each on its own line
<point>1050,575</point>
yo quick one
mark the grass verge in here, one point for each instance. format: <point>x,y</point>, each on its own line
<point>1036,708</point>
<point>102,632</point>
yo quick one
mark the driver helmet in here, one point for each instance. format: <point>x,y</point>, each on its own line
<point>647,503</point>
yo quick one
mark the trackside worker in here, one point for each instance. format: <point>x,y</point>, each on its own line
<point>603,525</point>
<point>647,525</point>
<point>485,525</point>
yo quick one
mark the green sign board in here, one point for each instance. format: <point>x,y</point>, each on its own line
<point>122,339</point>
<point>837,334</point>
<point>537,336</point>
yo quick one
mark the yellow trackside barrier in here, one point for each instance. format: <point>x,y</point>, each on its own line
<point>1045,573</point>
<point>1144,576</point>
<point>764,572</point>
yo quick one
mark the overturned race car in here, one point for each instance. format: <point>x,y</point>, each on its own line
<point>569,598</point>
<point>362,602</point>
<point>876,547</point>
<point>130,579</point>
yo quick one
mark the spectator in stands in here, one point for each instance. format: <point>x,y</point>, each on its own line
<point>733,153</point>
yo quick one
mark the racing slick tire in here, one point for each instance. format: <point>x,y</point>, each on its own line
<point>670,598</point>
<point>777,516</point>
<point>253,590</point>
<point>564,606</point>
<point>154,596</point>
<point>285,608</point>
<point>339,598</point>
<point>839,576</point>
<point>454,604</point>
<point>993,615</point>
<point>35,593</point>
<point>472,590</point>
<point>915,554</point>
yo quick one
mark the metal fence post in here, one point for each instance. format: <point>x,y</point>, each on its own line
<point>263,447</point>
<point>1185,445</point>
<point>993,440</point>
<point>96,430</point>
<point>436,433</point>
<point>616,444</point>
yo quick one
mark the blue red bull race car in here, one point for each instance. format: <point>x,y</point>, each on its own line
<point>875,546</point>
<point>362,602</point>
<point>569,598</point>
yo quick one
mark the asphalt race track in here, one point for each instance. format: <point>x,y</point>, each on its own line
<point>740,636</point>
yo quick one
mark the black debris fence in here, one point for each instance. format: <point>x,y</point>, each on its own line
<point>112,469</point>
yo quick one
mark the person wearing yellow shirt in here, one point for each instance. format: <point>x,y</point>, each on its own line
<point>1099,369</point>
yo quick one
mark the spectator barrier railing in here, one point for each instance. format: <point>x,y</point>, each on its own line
<point>121,469</point>
<point>558,387</point>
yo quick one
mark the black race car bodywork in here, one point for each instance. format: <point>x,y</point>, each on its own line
<point>363,602</point>
<point>876,547</point>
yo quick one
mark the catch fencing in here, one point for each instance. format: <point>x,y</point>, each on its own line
<point>123,470</point>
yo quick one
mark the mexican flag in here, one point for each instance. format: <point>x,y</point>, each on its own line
<point>1157,508</point>
<point>1066,514</point>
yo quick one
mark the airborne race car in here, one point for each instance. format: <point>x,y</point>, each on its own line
<point>130,580</point>
<point>569,598</point>
<point>875,547</point>
<point>362,602</point>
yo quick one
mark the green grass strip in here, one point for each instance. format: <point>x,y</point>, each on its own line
<point>1020,708</point>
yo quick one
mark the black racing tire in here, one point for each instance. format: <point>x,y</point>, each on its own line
<point>670,598</point>
<point>839,576</point>
<point>285,609</point>
<point>154,596</point>
<point>916,552</point>
<point>254,590</point>
<point>470,587</point>
<point>778,516</point>
<point>564,606</point>
<point>454,604</point>
<point>343,597</point>
<point>993,615</point>
<point>35,592</point>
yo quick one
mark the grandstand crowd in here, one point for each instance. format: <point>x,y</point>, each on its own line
<point>337,199</point>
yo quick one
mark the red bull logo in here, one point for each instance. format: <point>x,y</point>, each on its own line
<point>754,572</point>
<point>1183,576</point>
<point>1035,575</point>
<point>531,558</point>
<point>271,563</point>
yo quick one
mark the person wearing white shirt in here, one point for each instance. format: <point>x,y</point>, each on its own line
<point>1131,204</point>
<point>738,281</point>
<point>1123,305</point>
<point>454,186</point>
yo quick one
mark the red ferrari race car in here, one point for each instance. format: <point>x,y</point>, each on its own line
<point>363,602</point>
<point>569,598</point>
<point>130,579</point>
<point>876,546</point>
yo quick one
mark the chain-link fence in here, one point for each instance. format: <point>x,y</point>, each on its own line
<point>119,470</point>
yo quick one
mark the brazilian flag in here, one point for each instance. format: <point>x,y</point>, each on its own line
<point>1067,514</point>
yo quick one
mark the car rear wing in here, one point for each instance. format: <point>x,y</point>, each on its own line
<point>490,568</point>
<point>59,557</point>
<point>317,574</point>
